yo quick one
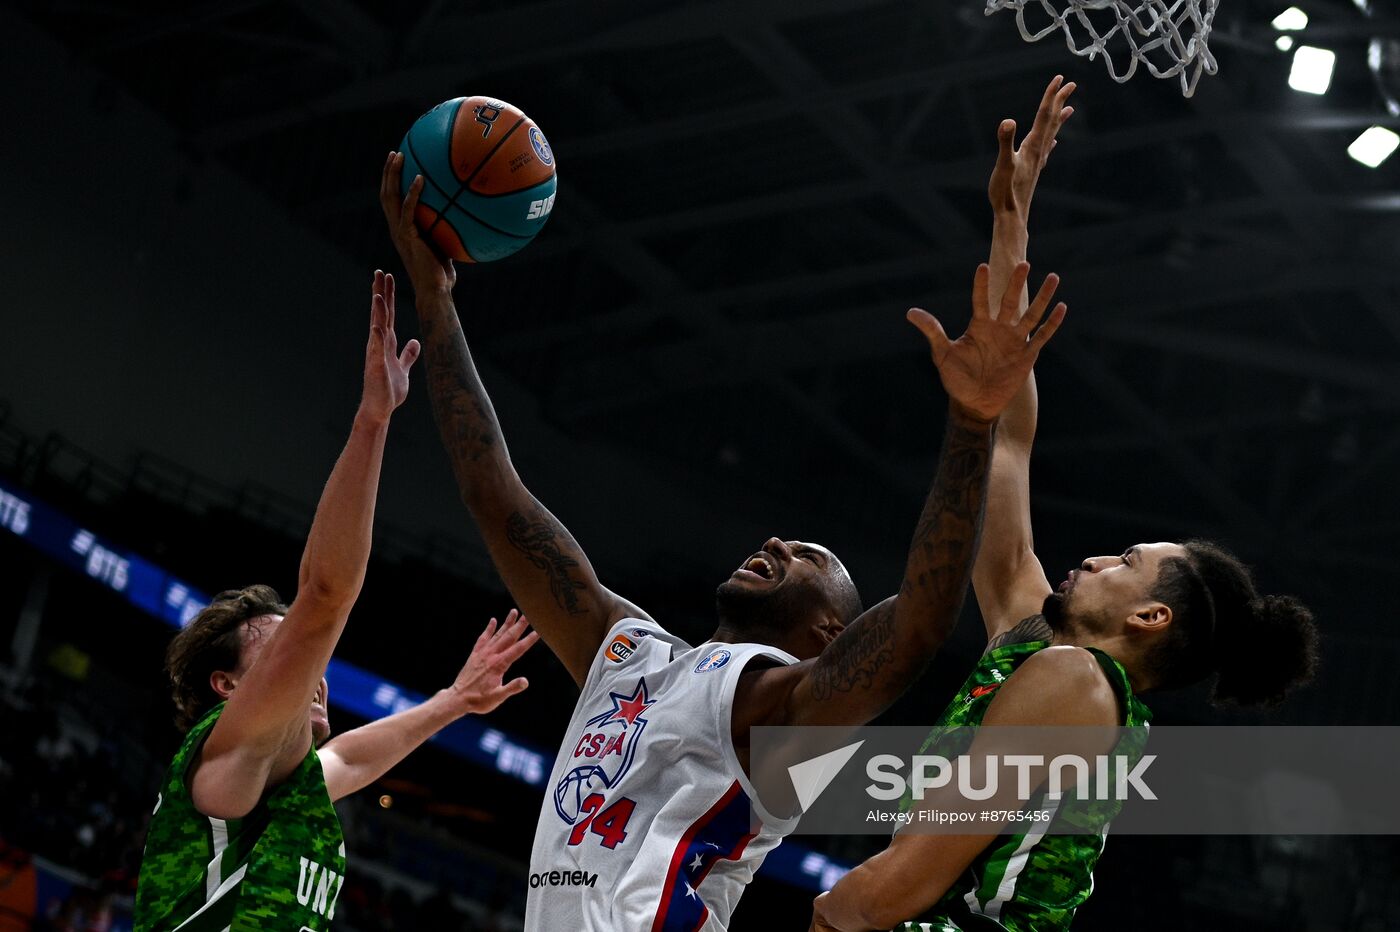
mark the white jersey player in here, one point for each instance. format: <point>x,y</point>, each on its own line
<point>646,825</point>
<point>648,762</point>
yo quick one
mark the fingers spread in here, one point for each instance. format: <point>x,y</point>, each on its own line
<point>1043,296</point>
<point>1011,297</point>
<point>932,330</point>
<point>981,302</point>
<point>1042,301</point>
<point>1006,140</point>
<point>520,647</point>
<point>1057,317</point>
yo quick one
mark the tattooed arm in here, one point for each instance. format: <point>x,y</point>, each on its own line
<point>876,658</point>
<point>1008,579</point>
<point>546,571</point>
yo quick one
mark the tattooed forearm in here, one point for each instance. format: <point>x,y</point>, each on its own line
<point>461,406</point>
<point>549,547</point>
<point>945,539</point>
<point>1034,628</point>
<point>854,660</point>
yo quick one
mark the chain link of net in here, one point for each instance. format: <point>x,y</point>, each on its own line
<point>1168,37</point>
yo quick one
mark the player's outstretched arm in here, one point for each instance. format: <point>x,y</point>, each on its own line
<point>1008,579</point>
<point>265,730</point>
<point>1059,686</point>
<point>543,566</point>
<point>357,758</point>
<point>878,655</point>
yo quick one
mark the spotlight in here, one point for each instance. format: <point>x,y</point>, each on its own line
<point>1291,20</point>
<point>1283,43</point>
<point>1374,146</point>
<point>1312,69</point>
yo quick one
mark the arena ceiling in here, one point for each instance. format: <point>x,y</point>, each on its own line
<point>751,193</point>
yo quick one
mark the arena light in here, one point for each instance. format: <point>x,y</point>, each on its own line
<point>1312,69</point>
<point>1283,43</point>
<point>1291,20</point>
<point>1374,146</point>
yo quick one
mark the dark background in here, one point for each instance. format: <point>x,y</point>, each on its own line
<point>703,348</point>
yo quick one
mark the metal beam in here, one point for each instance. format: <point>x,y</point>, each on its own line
<point>1121,313</point>
<point>360,36</point>
<point>851,132</point>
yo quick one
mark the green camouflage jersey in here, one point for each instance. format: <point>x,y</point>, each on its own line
<point>280,867</point>
<point>1032,881</point>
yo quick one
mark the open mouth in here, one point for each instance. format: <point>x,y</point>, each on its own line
<point>760,565</point>
<point>1068,583</point>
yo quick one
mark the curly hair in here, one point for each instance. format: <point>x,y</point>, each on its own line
<point>1259,647</point>
<point>213,641</point>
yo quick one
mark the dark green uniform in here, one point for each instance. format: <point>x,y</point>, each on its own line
<point>279,868</point>
<point>1029,882</point>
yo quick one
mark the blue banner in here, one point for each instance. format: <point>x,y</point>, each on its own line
<point>356,690</point>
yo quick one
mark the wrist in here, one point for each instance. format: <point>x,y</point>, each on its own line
<point>432,296</point>
<point>448,705</point>
<point>969,419</point>
<point>1010,226</point>
<point>370,418</point>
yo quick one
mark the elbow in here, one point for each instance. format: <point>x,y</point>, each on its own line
<point>489,488</point>
<point>332,595</point>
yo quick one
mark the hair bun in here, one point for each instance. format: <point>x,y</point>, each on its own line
<point>1267,652</point>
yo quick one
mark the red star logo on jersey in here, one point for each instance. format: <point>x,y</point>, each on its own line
<point>628,708</point>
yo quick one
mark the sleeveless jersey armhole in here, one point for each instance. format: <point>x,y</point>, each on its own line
<point>725,723</point>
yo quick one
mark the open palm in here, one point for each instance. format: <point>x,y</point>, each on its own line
<point>386,368</point>
<point>481,686</point>
<point>983,369</point>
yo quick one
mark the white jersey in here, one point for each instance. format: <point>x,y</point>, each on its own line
<point>648,821</point>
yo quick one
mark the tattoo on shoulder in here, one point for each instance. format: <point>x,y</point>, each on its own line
<point>548,547</point>
<point>854,659</point>
<point>1034,628</point>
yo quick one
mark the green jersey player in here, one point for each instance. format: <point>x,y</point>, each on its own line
<point>1158,616</point>
<point>244,835</point>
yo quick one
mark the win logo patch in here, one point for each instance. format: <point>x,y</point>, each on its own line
<point>621,649</point>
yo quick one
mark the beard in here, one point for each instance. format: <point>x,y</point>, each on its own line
<point>1055,611</point>
<point>754,612</point>
<point>1064,617</point>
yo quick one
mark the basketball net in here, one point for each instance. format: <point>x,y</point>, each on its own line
<point>1168,36</point>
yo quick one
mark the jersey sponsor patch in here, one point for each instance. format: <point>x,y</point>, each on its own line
<point>639,632</point>
<point>603,753</point>
<point>713,661</point>
<point>621,649</point>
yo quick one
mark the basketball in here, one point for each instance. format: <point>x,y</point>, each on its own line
<point>488,177</point>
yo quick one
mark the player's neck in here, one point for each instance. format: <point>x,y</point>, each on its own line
<point>727,634</point>
<point>1116,647</point>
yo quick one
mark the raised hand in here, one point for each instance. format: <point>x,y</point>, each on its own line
<point>983,369</point>
<point>427,270</point>
<point>1017,170</point>
<point>386,369</point>
<point>479,688</point>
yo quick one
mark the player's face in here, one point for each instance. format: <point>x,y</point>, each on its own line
<point>1104,591</point>
<point>784,583</point>
<point>255,636</point>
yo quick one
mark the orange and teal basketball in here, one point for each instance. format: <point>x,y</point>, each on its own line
<point>488,177</point>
